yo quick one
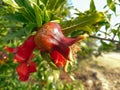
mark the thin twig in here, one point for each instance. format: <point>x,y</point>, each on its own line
<point>104,39</point>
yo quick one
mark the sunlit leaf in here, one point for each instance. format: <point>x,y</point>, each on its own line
<point>82,21</point>
<point>45,1</point>
<point>51,4</point>
<point>111,5</point>
<point>38,14</point>
<point>26,4</point>
<point>28,28</point>
<point>92,5</point>
<point>11,2</point>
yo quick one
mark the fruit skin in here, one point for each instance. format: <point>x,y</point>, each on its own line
<point>45,38</point>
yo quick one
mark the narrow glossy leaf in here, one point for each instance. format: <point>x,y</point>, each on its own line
<point>10,2</point>
<point>29,27</point>
<point>29,8</point>
<point>92,5</point>
<point>59,3</point>
<point>38,14</point>
<point>111,5</point>
<point>82,21</point>
<point>109,2</point>
<point>81,30</point>
<point>114,31</point>
<point>45,1</point>
<point>26,15</point>
<point>20,2</point>
<point>17,17</point>
<point>51,4</point>
<point>59,7</point>
<point>46,16</point>
<point>26,5</point>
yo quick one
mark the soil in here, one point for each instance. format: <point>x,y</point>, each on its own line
<point>101,73</point>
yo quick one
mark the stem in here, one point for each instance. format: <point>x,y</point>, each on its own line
<point>104,39</point>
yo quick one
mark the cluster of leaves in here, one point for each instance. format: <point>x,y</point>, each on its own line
<point>29,14</point>
<point>103,36</point>
<point>21,18</point>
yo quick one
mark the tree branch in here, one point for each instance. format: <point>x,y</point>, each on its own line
<point>103,38</point>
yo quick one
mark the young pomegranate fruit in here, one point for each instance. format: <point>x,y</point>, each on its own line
<point>49,38</point>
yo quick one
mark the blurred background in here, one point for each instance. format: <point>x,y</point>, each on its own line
<point>97,64</point>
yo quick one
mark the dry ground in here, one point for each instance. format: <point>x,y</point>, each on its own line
<point>101,73</point>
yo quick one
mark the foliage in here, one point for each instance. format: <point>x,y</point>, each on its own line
<point>20,18</point>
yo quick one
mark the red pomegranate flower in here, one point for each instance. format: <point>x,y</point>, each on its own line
<point>23,55</point>
<point>23,51</point>
<point>24,70</point>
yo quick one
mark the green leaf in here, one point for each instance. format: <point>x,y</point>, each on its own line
<point>114,31</point>
<point>17,17</point>
<point>92,6</point>
<point>38,14</point>
<point>26,15</point>
<point>13,34</point>
<point>46,17</point>
<point>59,4</point>
<point>81,30</point>
<point>27,6</point>
<point>10,2</point>
<point>28,29</point>
<point>51,4</point>
<point>81,21</point>
<point>111,5</point>
<point>45,1</point>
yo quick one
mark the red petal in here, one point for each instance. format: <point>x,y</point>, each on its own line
<point>23,71</point>
<point>64,50</point>
<point>23,78</point>
<point>11,50</point>
<point>32,67</point>
<point>25,50</point>
<point>58,59</point>
<point>29,43</point>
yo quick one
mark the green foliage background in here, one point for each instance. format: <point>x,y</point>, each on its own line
<point>21,18</point>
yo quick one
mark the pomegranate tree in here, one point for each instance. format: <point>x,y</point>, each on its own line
<point>48,39</point>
